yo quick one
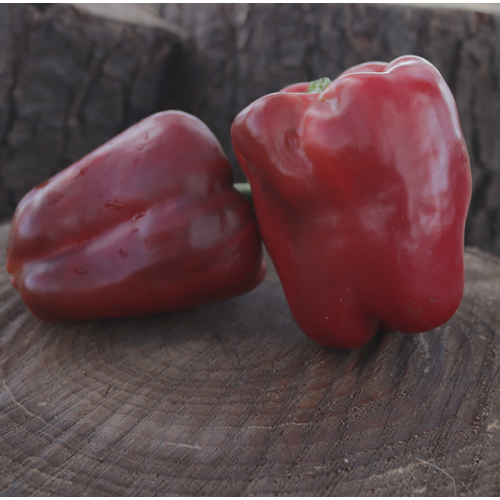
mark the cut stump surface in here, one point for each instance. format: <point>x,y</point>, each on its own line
<point>232,399</point>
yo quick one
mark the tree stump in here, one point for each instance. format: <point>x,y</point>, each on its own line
<point>71,80</point>
<point>232,399</point>
<point>244,51</point>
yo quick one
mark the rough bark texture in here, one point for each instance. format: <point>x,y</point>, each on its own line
<point>243,51</point>
<point>69,81</point>
<point>232,399</point>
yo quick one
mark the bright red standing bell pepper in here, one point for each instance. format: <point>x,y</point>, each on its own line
<point>361,192</point>
<point>147,223</point>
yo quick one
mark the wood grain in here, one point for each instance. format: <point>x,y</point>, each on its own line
<point>232,399</point>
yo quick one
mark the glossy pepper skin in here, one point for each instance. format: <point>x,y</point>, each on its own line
<point>361,192</point>
<point>147,223</point>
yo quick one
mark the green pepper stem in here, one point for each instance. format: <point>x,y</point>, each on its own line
<point>318,85</point>
<point>245,189</point>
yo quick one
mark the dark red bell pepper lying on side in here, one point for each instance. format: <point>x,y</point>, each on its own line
<point>147,223</point>
<point>361,192</point>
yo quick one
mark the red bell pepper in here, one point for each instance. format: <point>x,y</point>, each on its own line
<point>147,223</point>
<point>361,191</point>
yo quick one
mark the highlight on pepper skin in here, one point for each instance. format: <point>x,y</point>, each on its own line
<point>361,188</point>
<point>147,223</point>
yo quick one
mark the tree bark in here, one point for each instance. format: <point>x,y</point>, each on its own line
<point>232,399</point>
<point>244,51</point>
<point>70,81</point>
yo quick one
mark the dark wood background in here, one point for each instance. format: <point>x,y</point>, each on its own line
<point>72,77</point>
<point>239,52</point>
<point>232,399</point>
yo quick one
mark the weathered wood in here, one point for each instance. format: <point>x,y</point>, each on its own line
<point>70,81</point>
<point>232,399</point>
<point>244,51</point>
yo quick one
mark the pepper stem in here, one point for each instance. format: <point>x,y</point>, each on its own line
<point>245,189</point>
<point>318,85</point>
